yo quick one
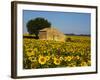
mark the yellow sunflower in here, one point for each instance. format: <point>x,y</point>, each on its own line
<point>68,58</point>
<point>31,53</point>
<point>56,61</point>
<point>77,57</point>
<point>84,64</point>
<point>42,59</point>
<point>35,49</point>
<point>32,58</point>
<point>47,58</point>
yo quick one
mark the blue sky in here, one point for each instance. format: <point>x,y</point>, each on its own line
<point>66,22</point>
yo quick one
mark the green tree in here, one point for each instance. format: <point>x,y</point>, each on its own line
<point>34,25</point>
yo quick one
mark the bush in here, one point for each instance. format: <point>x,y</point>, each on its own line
<point>68,39</point>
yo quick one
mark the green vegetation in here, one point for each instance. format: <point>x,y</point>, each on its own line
<point>74,52</point>
<point>34,25</point>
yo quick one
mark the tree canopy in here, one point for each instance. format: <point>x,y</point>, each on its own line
<point>34,25</point>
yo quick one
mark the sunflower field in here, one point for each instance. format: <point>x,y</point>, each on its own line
<point>75,52</point>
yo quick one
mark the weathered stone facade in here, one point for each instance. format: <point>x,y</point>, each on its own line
<point>51,34</point>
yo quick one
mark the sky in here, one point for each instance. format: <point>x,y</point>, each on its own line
<point>66,22</point>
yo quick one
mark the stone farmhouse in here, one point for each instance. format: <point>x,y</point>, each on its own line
<point>51,34</point>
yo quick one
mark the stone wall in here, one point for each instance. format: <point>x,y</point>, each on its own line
<point>51,34</point>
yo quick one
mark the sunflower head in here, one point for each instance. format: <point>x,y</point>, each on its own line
<point>42,60</point>
<point>77,57</point>
<point>32,58</point>
<point>83,64</point>
<point>47,58</point>
<point>30,52</point>
<point>56,61</point>
<point>68,58</point>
